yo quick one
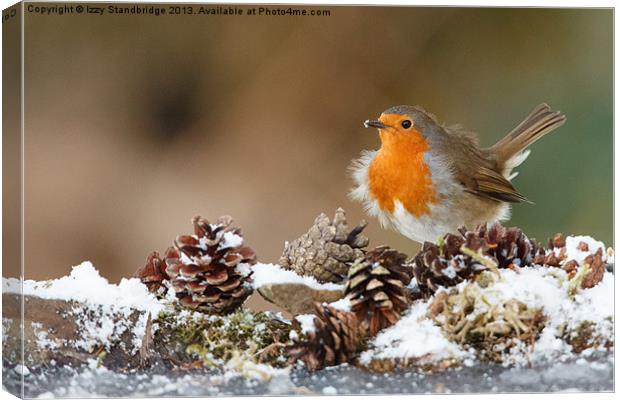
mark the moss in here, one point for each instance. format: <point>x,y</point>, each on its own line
<point>585,337</point>
<point>472,320</point>
<point>214,340</point>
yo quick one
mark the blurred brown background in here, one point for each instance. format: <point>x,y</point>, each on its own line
<point>134,124</point>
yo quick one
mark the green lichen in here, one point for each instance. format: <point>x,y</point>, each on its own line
<point>214,340</point>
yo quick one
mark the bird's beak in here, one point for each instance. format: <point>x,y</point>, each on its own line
<point>374,124</point>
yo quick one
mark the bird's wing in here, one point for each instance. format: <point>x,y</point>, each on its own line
<point>491,184</point>
<point>476,169</point>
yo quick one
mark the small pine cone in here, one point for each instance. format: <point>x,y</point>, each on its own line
<point>209,270</point>
<point>327,249</point>
<point>597,270</point>
<point>334,340</point>
<point>377,288</point>
<point>444,265</point>
<point>508,246</point>
<point>153,273</point>
<point>555,256</point>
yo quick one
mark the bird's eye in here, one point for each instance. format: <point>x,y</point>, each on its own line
<point>406,124</point>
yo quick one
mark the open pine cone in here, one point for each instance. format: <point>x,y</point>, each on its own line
<point>556,255</point>
<point>334,340</point>
<point>326,250</point>
<point>507,246</point>
<point>377,288</point>
<point>444,265</point>
<point>210,270</point>
<point>447,265</point>
<point>153,273</point>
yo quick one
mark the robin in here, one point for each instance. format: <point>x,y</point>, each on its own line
<point>428,179</point>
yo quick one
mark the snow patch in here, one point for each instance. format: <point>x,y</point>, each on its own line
<point>244,269</point>
<point>85,285</point>
<point>573,244</point>
<point>22,370</point>
<point>548,288</point>
<point>231,239</point>
<point>413,336</point>
<point>545,288</point>
<point>107,302</point>
<point>43,342</point>
<point>329,390</point>
<point>343,304</point>
<point>6,325</point>
<point>306,321</point>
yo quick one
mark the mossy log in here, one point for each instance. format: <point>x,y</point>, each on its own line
<point>58,332</point>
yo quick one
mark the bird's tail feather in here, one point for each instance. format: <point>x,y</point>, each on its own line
<point>512,149</point>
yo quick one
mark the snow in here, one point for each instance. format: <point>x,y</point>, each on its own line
<point>548,288</point>
<point>329,390</point>
<point>43,342</point>
<point>271,274</point>
<point>231,240</point>
<point>85,285</point>
<point>244,269</point>
<point>413,336</point>
<point>450,272</point>
<point>185,259</point>
<point>6,325</point>
<point>574,253</point>
<point>108,302</point>
<point>22,370</point>
<point>343,304</point>
<point>307,322</point>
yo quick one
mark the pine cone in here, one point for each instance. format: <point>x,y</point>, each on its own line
<point>446,265</point>
<point>326,250</point>
<point>209,270</point>
<point>153,273</point>
<point>377,288</point>
<point>443,265</point>
<point>335,339</point>
<point>556,255</point>
<point>508,246</point>
<point>597,270</point>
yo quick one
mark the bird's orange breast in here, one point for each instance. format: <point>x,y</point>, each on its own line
<point>399,172</point>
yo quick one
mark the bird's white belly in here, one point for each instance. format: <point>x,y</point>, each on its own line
<point>444,217</point>
<point>428,227</point>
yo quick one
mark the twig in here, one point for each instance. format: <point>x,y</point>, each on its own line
<point>481,259</point>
